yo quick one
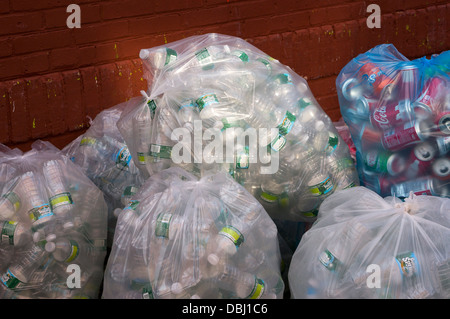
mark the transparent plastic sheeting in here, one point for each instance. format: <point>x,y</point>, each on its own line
<point>53,225</point>
<point>103,156</point>
<point>398,114</point>
<point>365,246</point>
<point>184,237</point>
<point>217,103</point>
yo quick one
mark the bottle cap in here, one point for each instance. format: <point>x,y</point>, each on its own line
<point>36,237</point>
<point>213,259</point>
<point>176,288</point>
<point>50,237</point>
<point>50,246</point>
<point>143,54</point>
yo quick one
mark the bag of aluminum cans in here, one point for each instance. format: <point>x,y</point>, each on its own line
<point>398,113</point>
<point>365,246</point>
<point>103,156</point>
<point>53,227</point>
<point>181,237</point>
<point>217,103</point>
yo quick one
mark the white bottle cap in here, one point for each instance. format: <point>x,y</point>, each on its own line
<point>50,246</point>
<point>36,237</point>
<point>143,54</point>
<point>176,288</point>
<point>213,259</point>
<point>50,237</point>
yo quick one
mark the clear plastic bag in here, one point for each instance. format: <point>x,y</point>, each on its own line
<point>217,103</point>
<point>182,237</point>
<point>365,246</point>
<point>105,158</point>
<point>52,217</point>
<point>398,113</point>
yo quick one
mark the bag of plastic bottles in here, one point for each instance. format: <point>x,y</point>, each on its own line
<point>365,246</point>
<point>217,103</point>
<point>398,113</point>
<point>184,237</point>
<point>53,226</point>
<point>103,156</point>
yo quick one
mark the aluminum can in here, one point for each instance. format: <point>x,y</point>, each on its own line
<point>426,185</point>
<point>384,162</point>
<point>441,168</point>
<point>405,135</point>
<point>420,159</point>
<point>430,94</point>
<point>443,122</point>
<point>392,114</point>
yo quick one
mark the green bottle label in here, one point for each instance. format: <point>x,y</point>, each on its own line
<point>160,151</point>
<point>8,229</point>
<point>232,234</point>
<point>60,200</point>
<point>40,212</point>
<point>258,289</point>
<point>10,281</point>
<point>206,100</point>
<point>14,199</point>
<point>327,259</point>
<point>408,264</point>
<point>162,225</point>
<point>171,56</point>
<point>286,125</point>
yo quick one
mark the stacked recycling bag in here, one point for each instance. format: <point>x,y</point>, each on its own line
<point>365,246</point>
<point>217,103</point>
<point>101,153</point>
<point>184,237</point>
<point>53,224</point>
<point>398,113</point>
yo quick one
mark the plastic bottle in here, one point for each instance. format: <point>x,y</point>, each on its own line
<point>240,284</point>
<point>67,250</point>
<point>39,212</point>
<point>60,198</point>
<point>10,202</point>
<point>23,267</point>
<point>14,233</point>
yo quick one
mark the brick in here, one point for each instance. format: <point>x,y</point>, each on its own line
<point>108,95</point>
<point>91,90</point>
<point>162,23</point>
<point>30,5</point>
<point>5,114</point>
<point>20,23</point>
<point>35,63</point>
<point>10,67</point>
<point>87,55</point>
<point>126,8</point>
<point>42,41</point>
<point>64,58</point>
<point>5,48</point>
<point>101,32</point>
<point>55,103</point>
<point>74,113</point>
<point>37,107</point>
<point>20,122</point>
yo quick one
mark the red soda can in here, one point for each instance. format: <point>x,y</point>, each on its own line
<point>443,122</point>
<point>420,160</point>
<point>441,168</point>
<point>430,94</point>
<point>405,135</point>
<point>392,114</point>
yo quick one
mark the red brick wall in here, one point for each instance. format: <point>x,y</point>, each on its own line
<point>53,77</point>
